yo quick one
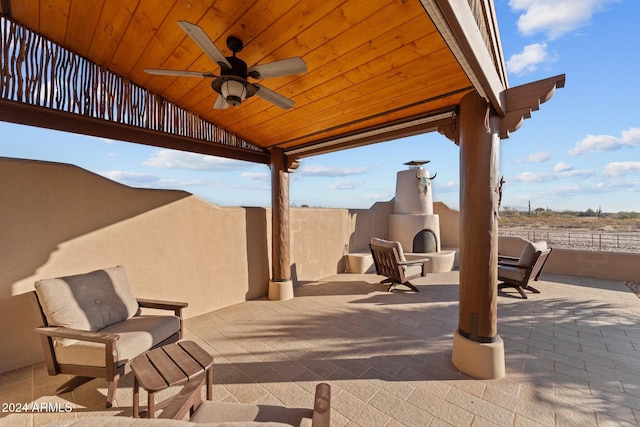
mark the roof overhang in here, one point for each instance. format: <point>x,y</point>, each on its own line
<point>376,71</point>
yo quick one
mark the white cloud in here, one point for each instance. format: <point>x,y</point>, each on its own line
<point>130,178</point>
<point>531,57</point>
<point>572,173</point>
<point>555,17</point>
<point>537,157</point>
<point>567,190</point>
<point>602,143</point>
<point>565,173</point>
<point>135,179</point>
<point>447,187</point>
<point>619,185</point>
<point>382,196</point>
<point>256,176</point>
<point>341,184</point>
<point>318,170</point>
<point>562,167</point>
<point>172,159</point>
<point>534,177</point>
<point>621,168</point>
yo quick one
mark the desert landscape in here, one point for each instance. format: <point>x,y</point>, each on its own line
<point>589,230</point>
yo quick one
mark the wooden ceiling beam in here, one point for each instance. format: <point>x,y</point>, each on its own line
<point>24,114</point>
<point>393,130</point>
<point>455,21</point>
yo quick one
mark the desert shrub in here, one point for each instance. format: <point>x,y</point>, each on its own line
<point>627,215</point>
<point>509,212</point>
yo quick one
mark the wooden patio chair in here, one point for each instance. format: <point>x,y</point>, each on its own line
<point>389,259</point>
<point>518,272</point>
<point>91,326</point>
<point>230,413</point>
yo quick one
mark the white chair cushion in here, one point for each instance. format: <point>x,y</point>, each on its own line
<point>389,244</point>
<point>90,301</point>
<point>512,273</point>
<point>412,271</point>
<point>137,335</point>
<point>529,251</point>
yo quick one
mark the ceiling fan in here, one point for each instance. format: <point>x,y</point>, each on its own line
<point>232,85</point>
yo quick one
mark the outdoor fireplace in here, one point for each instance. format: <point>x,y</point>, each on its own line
<point>413,222</point>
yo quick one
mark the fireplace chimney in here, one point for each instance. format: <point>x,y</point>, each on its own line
<point>413,223</point>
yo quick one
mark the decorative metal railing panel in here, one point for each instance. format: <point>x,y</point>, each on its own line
<point>611,241</point>
<point>41,73</point>
<point>482,13</point>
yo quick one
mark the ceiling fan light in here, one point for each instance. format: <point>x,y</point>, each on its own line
<point>233,91</point>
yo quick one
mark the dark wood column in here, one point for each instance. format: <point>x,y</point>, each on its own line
<point>280,240</point>
<point>479,155</point>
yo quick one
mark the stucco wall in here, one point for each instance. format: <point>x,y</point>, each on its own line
<point>58,219</point>
<point>449,225</point>
<point>598,264</point>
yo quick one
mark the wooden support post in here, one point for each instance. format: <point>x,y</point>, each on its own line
<point>280,286</point>
<point>477,348</point>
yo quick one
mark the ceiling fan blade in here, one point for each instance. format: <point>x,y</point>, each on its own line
<point>274,97</point>
<point>198,35</point>
<point>182,73</point>
<point>221,103</point>
<point>286,67</point>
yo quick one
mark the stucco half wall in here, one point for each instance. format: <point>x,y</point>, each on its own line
<point>623,266</point>
<point>58,219</point>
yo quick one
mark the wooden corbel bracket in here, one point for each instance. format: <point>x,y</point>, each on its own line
<point>292,164</point>
<point>520,101</point>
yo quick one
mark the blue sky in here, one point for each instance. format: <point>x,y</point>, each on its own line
<point>581,150</point>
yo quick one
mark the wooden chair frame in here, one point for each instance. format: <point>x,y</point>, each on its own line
<point>112,370</point>
<point>532,272</point>
<point>388,263</point>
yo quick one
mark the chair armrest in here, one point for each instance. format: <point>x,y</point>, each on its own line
<point>414,261</point>
<point>322,406</point>
<point>76,334</point>
<point>520,267</point>
<point>174,306</point>
<point>508,258</point>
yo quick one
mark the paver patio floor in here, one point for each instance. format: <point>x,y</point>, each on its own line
<point>572,356</point>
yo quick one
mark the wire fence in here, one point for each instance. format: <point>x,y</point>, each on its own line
<point>585,240</point>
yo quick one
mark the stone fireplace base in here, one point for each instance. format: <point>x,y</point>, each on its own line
<point>439,262</point>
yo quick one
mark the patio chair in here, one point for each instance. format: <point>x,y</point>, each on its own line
<point>517,272</point>
<point>389,259</point>
<point>213,413</point>
<point>91,326</point>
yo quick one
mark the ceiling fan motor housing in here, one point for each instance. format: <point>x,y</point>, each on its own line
<point>233,84</point>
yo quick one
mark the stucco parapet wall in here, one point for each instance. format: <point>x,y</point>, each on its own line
<point>596,264</point>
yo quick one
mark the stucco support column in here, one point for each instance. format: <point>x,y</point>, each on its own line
<point>280,285</point>
<point>477,348</point>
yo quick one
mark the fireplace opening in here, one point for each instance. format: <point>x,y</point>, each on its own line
<point>425,242</point>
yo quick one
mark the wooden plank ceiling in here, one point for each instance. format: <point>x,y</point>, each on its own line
<point>369,62</point>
